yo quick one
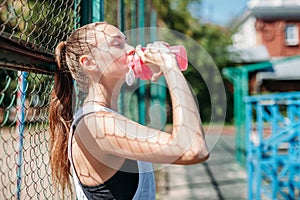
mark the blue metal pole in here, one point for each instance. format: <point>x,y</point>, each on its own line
<point>21,97</point>
<point>258,150</point>
<point>249,148</point>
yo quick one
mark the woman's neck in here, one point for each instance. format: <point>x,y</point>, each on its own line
<point>105,95</point>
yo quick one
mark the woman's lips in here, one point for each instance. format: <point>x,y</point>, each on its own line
<point>130,56</point>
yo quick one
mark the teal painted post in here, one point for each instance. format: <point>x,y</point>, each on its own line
<point>153,24</point>
<point>91,11</point>
<point>238,109</point>
<point>244,91</point>
<point>133,35</point>
<point>86,12</point>
<point>102,11</point>
<point>98,10</point>
<point>76,14</point>
<point>158,89</point>
<point>239,76</point>
<point>133,18</point>
<point>121,19</point>
<point>121,24</point>
<point>142,87</point>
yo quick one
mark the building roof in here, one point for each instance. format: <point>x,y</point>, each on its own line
<point>274,9</point>
<point>272,3</point>
<point>282,12</point>
<point>284,69</point>
<point>268,9</point>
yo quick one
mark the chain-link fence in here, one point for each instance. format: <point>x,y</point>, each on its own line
<point>29,32</point>
<point>38,24</point>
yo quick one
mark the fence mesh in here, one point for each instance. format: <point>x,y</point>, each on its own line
<point>29,32</point>
<point>37,24</point>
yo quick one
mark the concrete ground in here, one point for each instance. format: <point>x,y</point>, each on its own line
<point>219,178</point>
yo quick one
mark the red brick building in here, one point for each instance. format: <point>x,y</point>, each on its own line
<point>269,30</point>
<point>279,34</point>
<point>276,26</point>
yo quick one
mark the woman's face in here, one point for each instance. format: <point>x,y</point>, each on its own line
<point>111,54</point>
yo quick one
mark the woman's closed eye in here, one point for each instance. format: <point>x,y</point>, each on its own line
<point>119,45</point>
<point>118,41</point>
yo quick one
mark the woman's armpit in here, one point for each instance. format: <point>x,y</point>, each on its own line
<point>117,135</point>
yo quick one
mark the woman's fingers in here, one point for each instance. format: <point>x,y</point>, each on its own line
<point>156,76</point>
<point>140,52</point>
<point>157,54</point>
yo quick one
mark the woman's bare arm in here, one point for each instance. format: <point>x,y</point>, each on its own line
<point>114,134</point>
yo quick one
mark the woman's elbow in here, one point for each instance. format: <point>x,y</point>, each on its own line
<point>198,158</point>
<point>204,158</point>
<point>190,158</point>
<point>197,153</point>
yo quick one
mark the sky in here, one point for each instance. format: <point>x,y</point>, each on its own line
<point>219,11</point>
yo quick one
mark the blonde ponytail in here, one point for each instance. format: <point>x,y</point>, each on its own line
<point>60,117</point>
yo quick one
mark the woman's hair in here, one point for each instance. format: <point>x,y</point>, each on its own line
<point>67,56</point>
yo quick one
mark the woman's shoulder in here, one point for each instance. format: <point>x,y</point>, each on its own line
<point>96,120</point>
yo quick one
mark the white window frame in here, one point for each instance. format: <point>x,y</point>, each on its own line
<point>291,35</point>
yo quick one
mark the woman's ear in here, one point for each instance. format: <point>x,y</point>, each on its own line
<point>84,60</point>
<point>88,63</point>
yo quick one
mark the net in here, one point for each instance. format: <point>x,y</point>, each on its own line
<point>29,32</point>
<point>31,29</point>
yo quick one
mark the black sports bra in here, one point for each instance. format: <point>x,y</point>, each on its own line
<point>122,185</point>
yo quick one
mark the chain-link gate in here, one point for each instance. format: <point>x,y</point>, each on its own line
<point>29,32</point>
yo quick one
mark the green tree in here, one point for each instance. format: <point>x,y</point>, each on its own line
<point>213,38</point>
<point>175,15</point>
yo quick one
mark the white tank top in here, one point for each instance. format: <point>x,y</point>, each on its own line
<point>146,185</point>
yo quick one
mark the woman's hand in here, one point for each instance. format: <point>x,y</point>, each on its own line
<point>158,57</point>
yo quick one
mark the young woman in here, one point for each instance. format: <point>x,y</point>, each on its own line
<point>109,155</point>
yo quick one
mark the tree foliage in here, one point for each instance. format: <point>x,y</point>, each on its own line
<point>172,14</point>
<point>213,38</point>
<point>176,15</point>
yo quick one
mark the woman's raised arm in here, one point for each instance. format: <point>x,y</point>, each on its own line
<point>113,134</point>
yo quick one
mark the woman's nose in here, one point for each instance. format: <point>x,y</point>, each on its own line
<point>129,49</point>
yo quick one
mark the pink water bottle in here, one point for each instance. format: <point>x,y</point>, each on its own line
<point>144,72</point>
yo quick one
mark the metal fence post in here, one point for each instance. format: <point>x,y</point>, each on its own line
<point>21,97</point>
<point>158,89</point>
<point>142,87</point>
<point>239,76</point>
<point>91,11</point>
<point>121,24</point>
